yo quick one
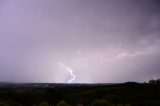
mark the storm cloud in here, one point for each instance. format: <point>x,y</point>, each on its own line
<point>100,40</point>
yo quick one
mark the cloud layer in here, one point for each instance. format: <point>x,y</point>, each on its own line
<point>101,41</point>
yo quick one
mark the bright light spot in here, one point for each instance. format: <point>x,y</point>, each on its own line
<point>69,70</point>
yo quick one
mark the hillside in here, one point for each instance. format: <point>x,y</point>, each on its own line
<point>133,94</point>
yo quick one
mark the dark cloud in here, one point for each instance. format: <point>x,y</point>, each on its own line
<point>102,41</point>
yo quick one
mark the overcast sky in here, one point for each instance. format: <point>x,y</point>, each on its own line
<point>100,41</point>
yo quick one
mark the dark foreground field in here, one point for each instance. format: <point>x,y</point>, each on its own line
<point>126,94</point>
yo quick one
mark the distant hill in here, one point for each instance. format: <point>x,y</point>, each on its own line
<point>129,93</point>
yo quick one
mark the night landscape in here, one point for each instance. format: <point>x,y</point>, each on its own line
<point>79,52</point>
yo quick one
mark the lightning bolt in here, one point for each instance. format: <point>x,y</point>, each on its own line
<point>69,70</point>
<point>125,54</point>
<point>117,57</point>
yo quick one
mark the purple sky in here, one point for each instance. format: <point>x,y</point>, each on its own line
<point>79,41</point>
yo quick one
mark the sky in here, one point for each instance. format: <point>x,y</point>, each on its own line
<point>79,41</point>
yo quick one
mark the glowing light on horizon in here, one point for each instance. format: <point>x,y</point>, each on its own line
<point>70,71</point>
